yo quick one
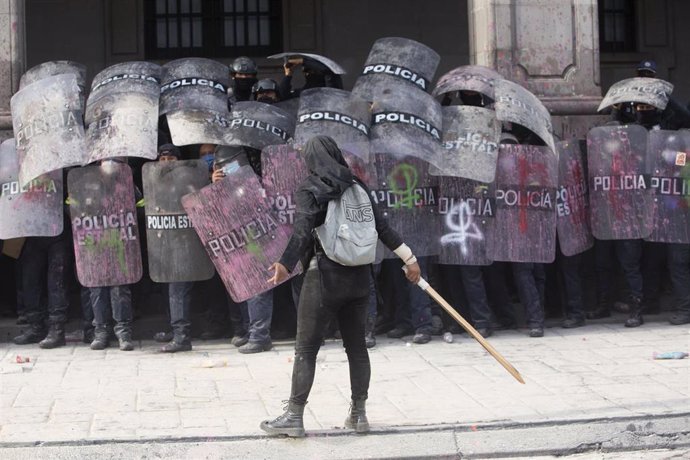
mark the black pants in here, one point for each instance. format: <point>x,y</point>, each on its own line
<point>329,291</point>
<point>475,292</point>
<point>180,299</point>
<point>44,264</point>
<point>529,280</point>
<point>679,267</point>
<point>572,293</point>
<point>629,254</point>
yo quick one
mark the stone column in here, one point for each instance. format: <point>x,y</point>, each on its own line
<point>12,58</point>
<point>549,46</point>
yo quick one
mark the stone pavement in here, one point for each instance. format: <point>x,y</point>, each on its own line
<point>74,394</point>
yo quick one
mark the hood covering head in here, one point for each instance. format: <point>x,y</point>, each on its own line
<point>330,174</point>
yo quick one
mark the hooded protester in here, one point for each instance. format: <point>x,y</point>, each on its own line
<point>329,289</point>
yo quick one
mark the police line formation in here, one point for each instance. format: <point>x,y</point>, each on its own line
<point>469,170</point>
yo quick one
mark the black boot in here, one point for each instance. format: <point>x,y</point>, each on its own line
<point>179,342</point>
<point>101,340</point>
<point>55,337</point>
<point>33,334</point>
<point>124,336</point>
<point>369,337</point>
<point>290,423</point>
<point>635,319</point>
<point>357,417</point>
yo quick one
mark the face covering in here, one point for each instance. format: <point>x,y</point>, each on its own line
<point>243,87</point>
<point>266,99</point>
<point>647,118</point>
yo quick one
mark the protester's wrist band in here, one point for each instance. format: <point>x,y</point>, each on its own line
<point>405,253</point>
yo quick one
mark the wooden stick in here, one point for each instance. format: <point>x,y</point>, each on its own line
<point>424,285</point>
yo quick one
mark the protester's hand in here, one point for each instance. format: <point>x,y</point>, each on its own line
<point>289,64</point>
<point>217,175</point>
<point>413,272</point>
<point>280,273</point>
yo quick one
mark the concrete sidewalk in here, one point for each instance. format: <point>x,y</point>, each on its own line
<point>74,394</point>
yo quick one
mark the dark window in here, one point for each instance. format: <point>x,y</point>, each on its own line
<point>212,28</point>
<point>617,26</point>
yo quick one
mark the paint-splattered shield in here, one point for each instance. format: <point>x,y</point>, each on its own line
<point>467,210</point>
<point>517,105</point>
<point>395,61</point>
<point>470,144</point>
<point>667,153</point>
<point>258,125</point>
<point>34,210</point>
<point>122,112</point>
<point>331,64</point>
<point>198,127</point>
<point>240,231</point>
<point>572,200</point>
<point>282,170</point>
<point>408,197</point>
<point>407,122</point>
<point>194,84</point>
<point>52,68</point>
<point>525,223</point>
<point>619,195</point>
<point>104,225</point>
<point>335,113</point>
<point>652,91</point>
<point>175,251</point>
<point>48,127</point>
<point>470,78</point>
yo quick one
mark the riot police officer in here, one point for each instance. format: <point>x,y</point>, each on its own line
<point>243,71</point>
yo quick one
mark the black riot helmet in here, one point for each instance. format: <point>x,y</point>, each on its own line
<point>244,65</point>
<point>266,90</point>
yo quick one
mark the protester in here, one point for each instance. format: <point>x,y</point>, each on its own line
<point>329,289</point>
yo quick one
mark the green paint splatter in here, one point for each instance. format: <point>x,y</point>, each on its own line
<point>109,241</point>
<point>254,248</point>
<point>403,180</point>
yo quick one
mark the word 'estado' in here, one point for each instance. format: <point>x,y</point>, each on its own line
<point>410,198</point>
<point>397,71</point>
<point>47,123</point>
<point>91,230</point>
<point>619,183</point>
<point>194,81</point>
<point>672,186</point>
<point>408,119</point>
<point>239,237</point>
<point>168,222</point>
<point>534,198</point>
<point>483,207</point>
<point>260,125</point>
<point>35,186</point>
<point>475,142</point>
<point>335,116</point>
<point>125,76</point>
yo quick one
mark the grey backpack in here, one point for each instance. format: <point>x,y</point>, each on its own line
<point>348,236</point>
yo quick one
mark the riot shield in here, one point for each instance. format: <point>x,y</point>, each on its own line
<point>291,106</point>
<point>175,251</point>
<point>48,126</point>
<point>122,112</point>
<point>470,144</point>
<point>240,231</point>
<point>395,61</point>
<point>572,201</point>
<point>619,194</point>
<point>468,77</point>
<point>282,170</point>
<point>194,84</point>
<point>52,68</point>
<point>525,223</point>
<point>468,209</point>
<point>331,64</point>
<point>33,210</point>
<point>104,225</point>
<point>197,127</point>
<point>667,153</point>
<point>517,105</point>
<point>652,91</point>
<point>258,125</point>
<point>407,123</point>
<point>335,113</point>
<point>408,197</point>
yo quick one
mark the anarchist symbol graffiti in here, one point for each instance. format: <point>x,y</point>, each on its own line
<point>459,221</point>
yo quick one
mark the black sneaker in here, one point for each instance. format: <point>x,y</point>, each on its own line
<point>174,347</point>
<point>163,337</point>
<point>421,337</point>
<point>255,347</point>
<point>572,323</point>
<point>239,340</point>
<point>485,332</point>
<point>680,318</point>
<point>536,332</point>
